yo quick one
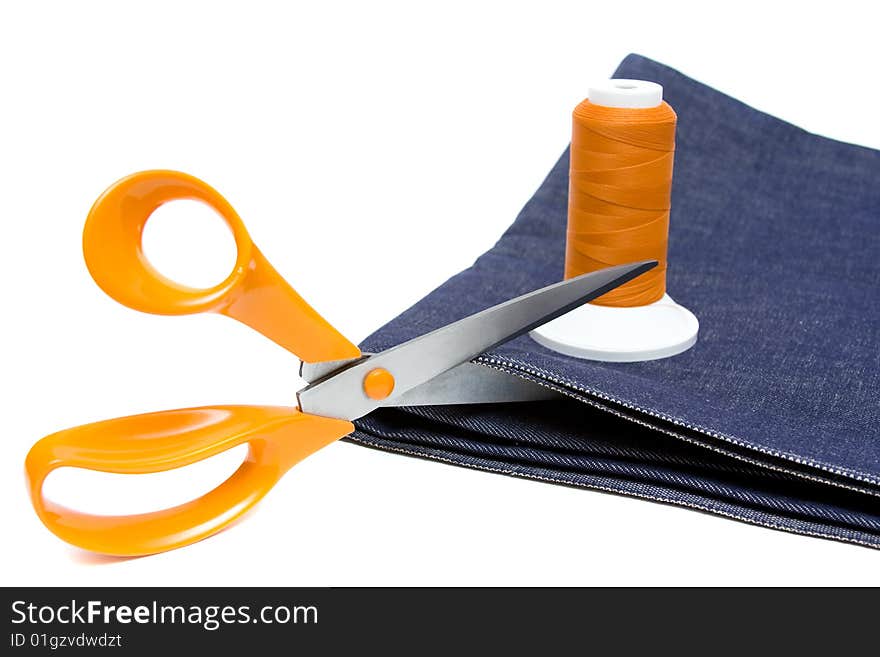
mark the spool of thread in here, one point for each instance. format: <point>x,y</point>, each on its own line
<point>622,149</point>
<point>620,187</point>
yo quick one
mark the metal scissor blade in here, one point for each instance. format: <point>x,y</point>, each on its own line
<point>472,383</point>
<point>467,383</point>
<point>425,357</point>
<point>311,372</point>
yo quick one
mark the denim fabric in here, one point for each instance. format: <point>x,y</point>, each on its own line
<point>772,417</point>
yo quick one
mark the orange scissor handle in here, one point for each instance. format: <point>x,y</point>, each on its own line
<point>277,438</point>
<point>254,293</point>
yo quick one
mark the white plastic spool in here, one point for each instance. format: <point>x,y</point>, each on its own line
<point>622,335</point>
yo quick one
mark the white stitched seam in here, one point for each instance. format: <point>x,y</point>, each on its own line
<point>514,366</point>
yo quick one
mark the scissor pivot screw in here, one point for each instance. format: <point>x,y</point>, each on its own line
<point>378,383</point>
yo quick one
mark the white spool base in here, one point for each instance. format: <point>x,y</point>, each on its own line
<point>621,335</point>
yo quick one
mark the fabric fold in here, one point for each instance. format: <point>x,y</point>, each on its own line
<point>771,418</point>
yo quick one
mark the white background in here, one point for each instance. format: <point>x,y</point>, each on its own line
<point>373,150</point>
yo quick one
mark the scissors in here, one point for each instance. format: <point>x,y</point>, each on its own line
<point>343,383</point>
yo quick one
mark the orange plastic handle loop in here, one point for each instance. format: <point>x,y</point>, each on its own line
<point>277,437</point>
<point>254,293</point>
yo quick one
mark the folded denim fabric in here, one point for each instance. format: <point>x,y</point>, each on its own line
<point>772,417</point>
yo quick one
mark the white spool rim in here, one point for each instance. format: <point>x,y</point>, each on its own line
<point>621,335</point>
<point>630,94</point>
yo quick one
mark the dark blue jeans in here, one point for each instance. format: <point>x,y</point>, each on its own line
<point>772,418</point>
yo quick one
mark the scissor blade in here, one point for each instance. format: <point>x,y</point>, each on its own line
<point>466,383</point>
<point>426,357</point>
<point>472,383</point>
<point>311,372</point>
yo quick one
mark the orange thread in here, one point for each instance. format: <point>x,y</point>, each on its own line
<point>619,195</point>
